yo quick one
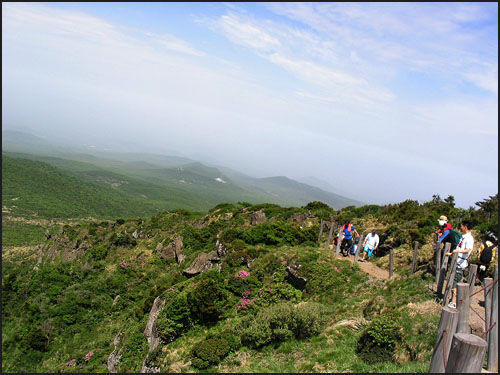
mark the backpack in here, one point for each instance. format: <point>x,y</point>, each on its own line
<point>456,235</point>
<point>349,228</point>
<point>486,254</point>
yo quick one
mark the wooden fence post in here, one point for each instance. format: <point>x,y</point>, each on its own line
<point>437,260</point>
<point>447,326</point>
<point>487,304</point>
<point>442,271</point>
<point>415,252</point>
<point>330,235</point>
<point>471,279</point>
<point>358,249</point>
<point>339,241</point>
<point>466,354</point>
<point>449,280</point>
<point>463,307</point>
<point>437,252</point>
<point>320,231</point>
<point>493,337</point>
<point>391,264</point>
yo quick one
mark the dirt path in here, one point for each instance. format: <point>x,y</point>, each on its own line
<point>369,268</point>
<point>476,316</point>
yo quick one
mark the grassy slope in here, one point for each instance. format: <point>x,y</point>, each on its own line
<point>77,299</point>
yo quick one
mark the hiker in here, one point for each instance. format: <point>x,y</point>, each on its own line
<point>463,249</point>
<point>443,220</point>
<point>370,244</point>
<point>346,243</point>
<point>486,253</point>
<point>447,233</point>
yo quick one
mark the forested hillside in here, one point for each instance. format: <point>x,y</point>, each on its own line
<point>243,288</point>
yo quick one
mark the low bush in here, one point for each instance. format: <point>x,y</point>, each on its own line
<point>209,352</point>
<point>207,300</point>
<point>282,321</point>
<point>379,338</point>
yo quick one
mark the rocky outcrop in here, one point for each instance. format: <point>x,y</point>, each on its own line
<point>302,218</point>
<point>114,357</point>
<point>202,263</point>
<point>292,276</point>
<point>177,246</point>
<point>151,334</point>
<point>173,250</point>
<point>221,249</point>
<point>258,217</point>
<point>151,331</point>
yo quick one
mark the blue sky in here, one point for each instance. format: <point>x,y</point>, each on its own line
<point>384,101</point>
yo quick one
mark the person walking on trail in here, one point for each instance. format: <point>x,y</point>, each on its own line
<point>370,244</point>
<point>463,249</point>
<point>346,243</point>
<point>486,253</point>
<point>446,232</point>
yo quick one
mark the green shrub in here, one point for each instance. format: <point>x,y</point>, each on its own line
<point>207,300</point>
<point>281,322</point>
<point>379,338</point>
<point>120,239</point>
<point>238,285</point>
<point>209,352</point>
<point>98,252</point>
<point>175,318</point>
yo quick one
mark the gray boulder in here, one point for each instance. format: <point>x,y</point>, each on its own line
<point>114,357</point>
<point>151,330</point>
<point>177,247</point>
<point>202,263</point>
<point>258,217</point>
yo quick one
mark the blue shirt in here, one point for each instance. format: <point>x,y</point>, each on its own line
<point>347,234</point>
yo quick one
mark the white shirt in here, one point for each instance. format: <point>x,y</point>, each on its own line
<point>466,242</point>
<point>372,240</point>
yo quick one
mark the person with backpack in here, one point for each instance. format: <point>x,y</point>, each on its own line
<point>370,244</point>
<point>447,233</point>
<point>346,243</point>
<point>463,249</point>
<point>486,253</point>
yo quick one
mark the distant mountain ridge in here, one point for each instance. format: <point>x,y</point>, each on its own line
<point>208,184</point>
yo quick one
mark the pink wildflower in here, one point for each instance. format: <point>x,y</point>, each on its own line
<point>284,262</point>
<point>88,355</point>
<point>335,268</point>
<point>269,289</point>
<point>123,264</point>
<point>242,274</point>
<point>71,363</point>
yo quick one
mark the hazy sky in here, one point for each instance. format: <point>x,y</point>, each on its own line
<point>386,102</point>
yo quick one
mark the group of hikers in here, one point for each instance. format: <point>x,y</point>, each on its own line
<point>461,243</point>
<point>347,246</point>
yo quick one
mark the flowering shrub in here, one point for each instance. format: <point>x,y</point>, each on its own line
<point>245,301</point>
<point>243,281</point>
<point>242,274</point>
